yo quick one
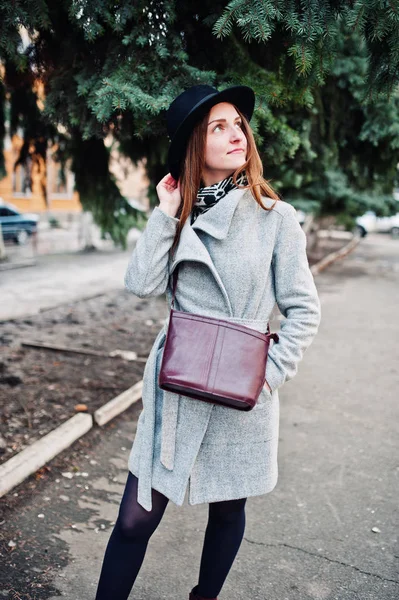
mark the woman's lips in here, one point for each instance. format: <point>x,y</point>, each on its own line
<point>234,151</point>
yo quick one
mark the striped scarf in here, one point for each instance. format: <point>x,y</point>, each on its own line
<point>208,196</point>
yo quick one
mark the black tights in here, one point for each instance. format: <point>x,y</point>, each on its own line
<point>134,526</point>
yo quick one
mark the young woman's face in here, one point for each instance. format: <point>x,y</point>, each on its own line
<point>226,144</point>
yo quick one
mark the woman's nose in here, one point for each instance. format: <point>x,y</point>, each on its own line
<point>236,134</point>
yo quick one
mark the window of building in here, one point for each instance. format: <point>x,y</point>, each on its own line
<point>60,181</point>
<point>21,180</point>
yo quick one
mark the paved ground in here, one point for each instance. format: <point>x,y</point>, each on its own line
<point>60,278</point>
<point>69,237</point>
<point>312,538</point>
<point>60,273</point>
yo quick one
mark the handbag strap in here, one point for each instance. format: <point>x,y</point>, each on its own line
<point>273,336</point>
<point>174,285</point>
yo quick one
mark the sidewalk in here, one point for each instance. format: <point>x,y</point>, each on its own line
<point>312,538</point>
<point>58,279</point>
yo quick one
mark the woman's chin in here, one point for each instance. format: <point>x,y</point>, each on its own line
<point>236,160</point>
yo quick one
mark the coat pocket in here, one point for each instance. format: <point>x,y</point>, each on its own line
<point>264,397</point>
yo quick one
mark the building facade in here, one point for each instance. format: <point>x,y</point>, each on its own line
<point>43,186</point>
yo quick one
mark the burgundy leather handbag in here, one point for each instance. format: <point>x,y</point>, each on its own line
<point>213,360</point>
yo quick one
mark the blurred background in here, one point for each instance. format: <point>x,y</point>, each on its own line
<point>85,85</point>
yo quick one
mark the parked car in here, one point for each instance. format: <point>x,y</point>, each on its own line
<point>370,223</point>
<point>17,226</point>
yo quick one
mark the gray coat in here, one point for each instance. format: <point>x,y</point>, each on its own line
<point>236,261</point>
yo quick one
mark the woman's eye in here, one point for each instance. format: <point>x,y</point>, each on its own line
<point>239,123</point>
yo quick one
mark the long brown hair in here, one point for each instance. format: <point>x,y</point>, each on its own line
<point>194,163</point>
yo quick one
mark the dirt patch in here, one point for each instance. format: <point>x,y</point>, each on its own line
<point>39,388</point>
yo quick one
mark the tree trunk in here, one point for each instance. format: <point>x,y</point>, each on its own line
<point>310,228</point>
<point>86,232</point>
<point>2,246</point>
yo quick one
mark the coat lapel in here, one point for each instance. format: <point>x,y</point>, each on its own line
<point>215,222</point>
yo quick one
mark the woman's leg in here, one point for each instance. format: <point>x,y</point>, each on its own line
<point>223,537</point>
<point>128,542</point>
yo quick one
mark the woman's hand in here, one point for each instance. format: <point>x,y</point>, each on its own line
<point>168,190</point>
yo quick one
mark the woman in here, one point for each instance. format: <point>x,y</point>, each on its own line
<point>240,249</point>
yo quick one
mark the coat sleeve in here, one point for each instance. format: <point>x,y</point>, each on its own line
<point>147,272</point>
<point>297,299</point>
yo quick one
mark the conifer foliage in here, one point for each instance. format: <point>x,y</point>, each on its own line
<point>325,73</point>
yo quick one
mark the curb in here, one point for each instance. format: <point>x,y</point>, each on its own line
<point>30,459</point>
<point>118,404</point>
<point>333,256</point>
<point>26,462</point>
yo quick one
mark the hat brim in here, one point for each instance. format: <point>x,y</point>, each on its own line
<point>241,96</point>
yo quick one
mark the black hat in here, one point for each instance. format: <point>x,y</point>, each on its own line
<point>190,106</point>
